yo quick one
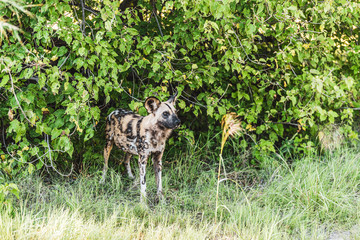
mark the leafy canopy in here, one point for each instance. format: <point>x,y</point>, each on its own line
<point>285,67</point>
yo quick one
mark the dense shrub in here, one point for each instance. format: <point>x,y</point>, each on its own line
<point>285,67</point>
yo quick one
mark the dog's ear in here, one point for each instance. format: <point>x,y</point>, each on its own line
<point>152,104</point>
<point>172,99</point>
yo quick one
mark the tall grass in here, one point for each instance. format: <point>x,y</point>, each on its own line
<point>310,199</point>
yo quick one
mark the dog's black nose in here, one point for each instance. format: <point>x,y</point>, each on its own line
<point>177,122</point>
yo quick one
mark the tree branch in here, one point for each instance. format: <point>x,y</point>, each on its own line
<point>154,12</point>
<point>86,8</point>
<point>83,18</point>
<point>355,109</point>
<point>51,161</point>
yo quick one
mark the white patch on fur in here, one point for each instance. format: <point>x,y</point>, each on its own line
<point>113,112</point>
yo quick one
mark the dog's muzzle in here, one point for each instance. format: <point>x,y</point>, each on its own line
<point>177,122</point>
<point>172,123</point>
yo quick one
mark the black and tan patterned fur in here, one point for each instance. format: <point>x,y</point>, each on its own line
<point>143,136</point>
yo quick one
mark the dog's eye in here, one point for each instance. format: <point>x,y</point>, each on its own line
<point>166,114</point>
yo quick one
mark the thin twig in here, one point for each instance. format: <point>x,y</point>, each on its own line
<point>64,61</point>
<point>87,8</point>
<point>83,18</point>
<point>355,109</point>
<point>247,56</point>
<point>250,137</point>
<point>132,97</point>
<point>51,162</point>
<point>287,123</point>
<point>199,104</point>
<point>196,103</point>
<point>17,100</point>
<point>223,94</point>
<point>3,137</point>
<point>158,24</point>
<point>292,69</point>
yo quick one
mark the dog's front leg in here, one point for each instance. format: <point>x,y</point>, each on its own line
<point>142,170</point>
<point>157,169</point>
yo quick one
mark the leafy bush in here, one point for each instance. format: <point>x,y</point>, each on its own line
<point>6,190</point>
<point>285,67</point>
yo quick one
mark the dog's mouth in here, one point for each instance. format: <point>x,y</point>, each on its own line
<point>171,124</point>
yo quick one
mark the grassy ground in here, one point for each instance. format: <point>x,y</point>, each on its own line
<point>314,198</point>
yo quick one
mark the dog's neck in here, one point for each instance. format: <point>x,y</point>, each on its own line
<point>155,132</point>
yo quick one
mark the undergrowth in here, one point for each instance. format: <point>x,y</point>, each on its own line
<point>313,197</point>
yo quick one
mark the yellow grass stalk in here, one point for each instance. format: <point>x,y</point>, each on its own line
<point>230,126</point>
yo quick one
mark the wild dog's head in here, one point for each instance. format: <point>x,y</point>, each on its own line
<point>163,112</point>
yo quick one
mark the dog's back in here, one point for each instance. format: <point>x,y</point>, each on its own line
<point>123,128</point>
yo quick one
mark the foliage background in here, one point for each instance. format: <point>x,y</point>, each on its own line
<point>287,68</point>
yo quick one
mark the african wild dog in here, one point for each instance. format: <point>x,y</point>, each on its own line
<point>142,136</point>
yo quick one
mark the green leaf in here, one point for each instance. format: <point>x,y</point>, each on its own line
<point>181,104</point>
<point>108,26</point>
<point>14,189</point>
<point>82,51</point>
<point>314,71</point>
<point>68,38</point>
<point>4,80</point>
<point>332,115</point>
<point>89,134</point>
<point>155,67</point>
<point>59,113</point>
<point>323,114</point>
<point>42,80</point>
<point>125,67</point>
<point>18,127</point>
<point>132,31</point>
<point>222,110</point>
<point>39,165</point>
<point>55,133</point>
<point>95,112</point>
<point>62,51</point>
<point>31,168</point>
<point>65,145</point>
<point>210,110</point>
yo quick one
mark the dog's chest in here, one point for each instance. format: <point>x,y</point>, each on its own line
<point>156,138</point>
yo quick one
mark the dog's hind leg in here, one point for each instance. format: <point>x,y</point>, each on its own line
<point>107,150</point>
<point>127,165</point>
